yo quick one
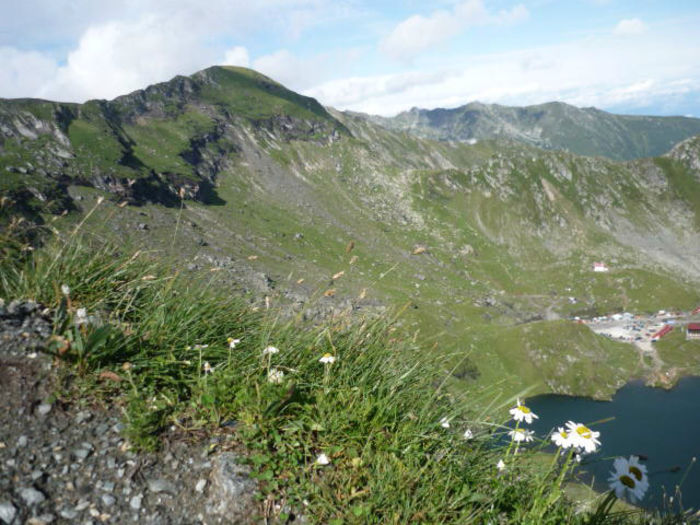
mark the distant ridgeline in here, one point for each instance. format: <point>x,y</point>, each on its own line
<point>555,125</point>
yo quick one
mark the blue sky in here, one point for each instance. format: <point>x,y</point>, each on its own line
<point>379,57</point>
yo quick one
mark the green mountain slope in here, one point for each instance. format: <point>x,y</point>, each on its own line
<point>555,125</point>
<point>227,173</point>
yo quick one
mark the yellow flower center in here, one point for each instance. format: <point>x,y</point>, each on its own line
<point>326,355</point>
<point>584,432</point>
<point>524,409</point>
<point>627,482</point>
<point>564,434</point>
<point>636,473</point>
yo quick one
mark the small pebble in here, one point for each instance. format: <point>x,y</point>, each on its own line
<point>68,513</point>
<point>161,485</point>
<point>7,512</point>
<point>83,416</point>
<point>81,453</point>
<point>44,519</point>
<point>31,496</point>
<point>135,502</point>
<point>108,500</point>
<point>199,487</point>
<point>43,409</point>
<point>108,486</point>
<point>22,441</point>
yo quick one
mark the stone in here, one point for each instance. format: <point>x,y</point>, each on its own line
<point>81,453</point>
<point>83,416</point>
<point>232,492</point>
<point>108,500</point>
<point>44,519</point>
<point>161,485</point>
<point>135,502</point>
<point>68,513</point>
<point>31,496</point>
<point>43,409</point>
<point>201,484</point>
<point>22,441</point>
<point>7,512</point>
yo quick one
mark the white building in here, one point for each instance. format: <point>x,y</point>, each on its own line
<point>600,267</point>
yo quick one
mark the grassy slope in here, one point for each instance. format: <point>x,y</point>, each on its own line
<point>390,460</point>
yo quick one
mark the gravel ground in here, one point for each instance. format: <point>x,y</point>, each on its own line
<point>68,462</point>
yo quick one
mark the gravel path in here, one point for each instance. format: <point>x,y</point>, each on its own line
<point>69,463</point>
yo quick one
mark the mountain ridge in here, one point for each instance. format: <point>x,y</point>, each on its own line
<point>552,125</point>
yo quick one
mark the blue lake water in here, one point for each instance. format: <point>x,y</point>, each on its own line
<point>663,426</point>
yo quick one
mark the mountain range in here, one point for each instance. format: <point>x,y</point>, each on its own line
<point>555,125</point>
<point>482,222</point>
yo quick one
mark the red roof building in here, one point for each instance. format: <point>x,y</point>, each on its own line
<point>693,331</point>
<point>658,335</point>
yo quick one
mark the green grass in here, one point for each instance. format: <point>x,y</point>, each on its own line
<point>375,412</point>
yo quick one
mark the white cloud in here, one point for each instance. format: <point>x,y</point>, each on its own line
<point>603,72</point>
<point>119,57</point>
<point>102,51</point>
<point>23,71</point>
<point>630,26</point>
<point>236,56</point>
<point>293,71</point>
<point>419,33</point>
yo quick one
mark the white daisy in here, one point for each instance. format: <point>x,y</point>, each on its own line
<point>562,438</point>
<point>445,423</point>
<point>233,342</point>
<point>322,460</point>
<point>522,413</point>
<point>208,369</point>
<point>271,350</point>
<point>582,437</point>
<point>629,479</point>
<point>327,359</point>
<point>500,465</point>
<point>468,434</point>
<point>65,289</point>
<point>519,434</point>
<point>275,376</point>
<point>81,316</point>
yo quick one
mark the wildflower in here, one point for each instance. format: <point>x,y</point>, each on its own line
<point>562,438</point>
<point>500,465</point>
<point>445,423</point>
<point>522,413</point>
<point>518,435</point>
<point>65,290</point>
<point>582,437</point>
<point>327,359</point>
<point>232,342</point>
<point>322,460</point>
<point>629,478</point>
<point>468,434</point>
<point>271,350</point>
<point>275,376</point>
<point>207,368</point>
<point>81,316</point>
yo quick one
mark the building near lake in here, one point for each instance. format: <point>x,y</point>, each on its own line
<point>693,331</point>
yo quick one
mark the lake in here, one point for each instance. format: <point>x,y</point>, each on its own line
<point>663,425</point>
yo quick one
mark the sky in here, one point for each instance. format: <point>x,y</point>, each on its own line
<point>379,57</point>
